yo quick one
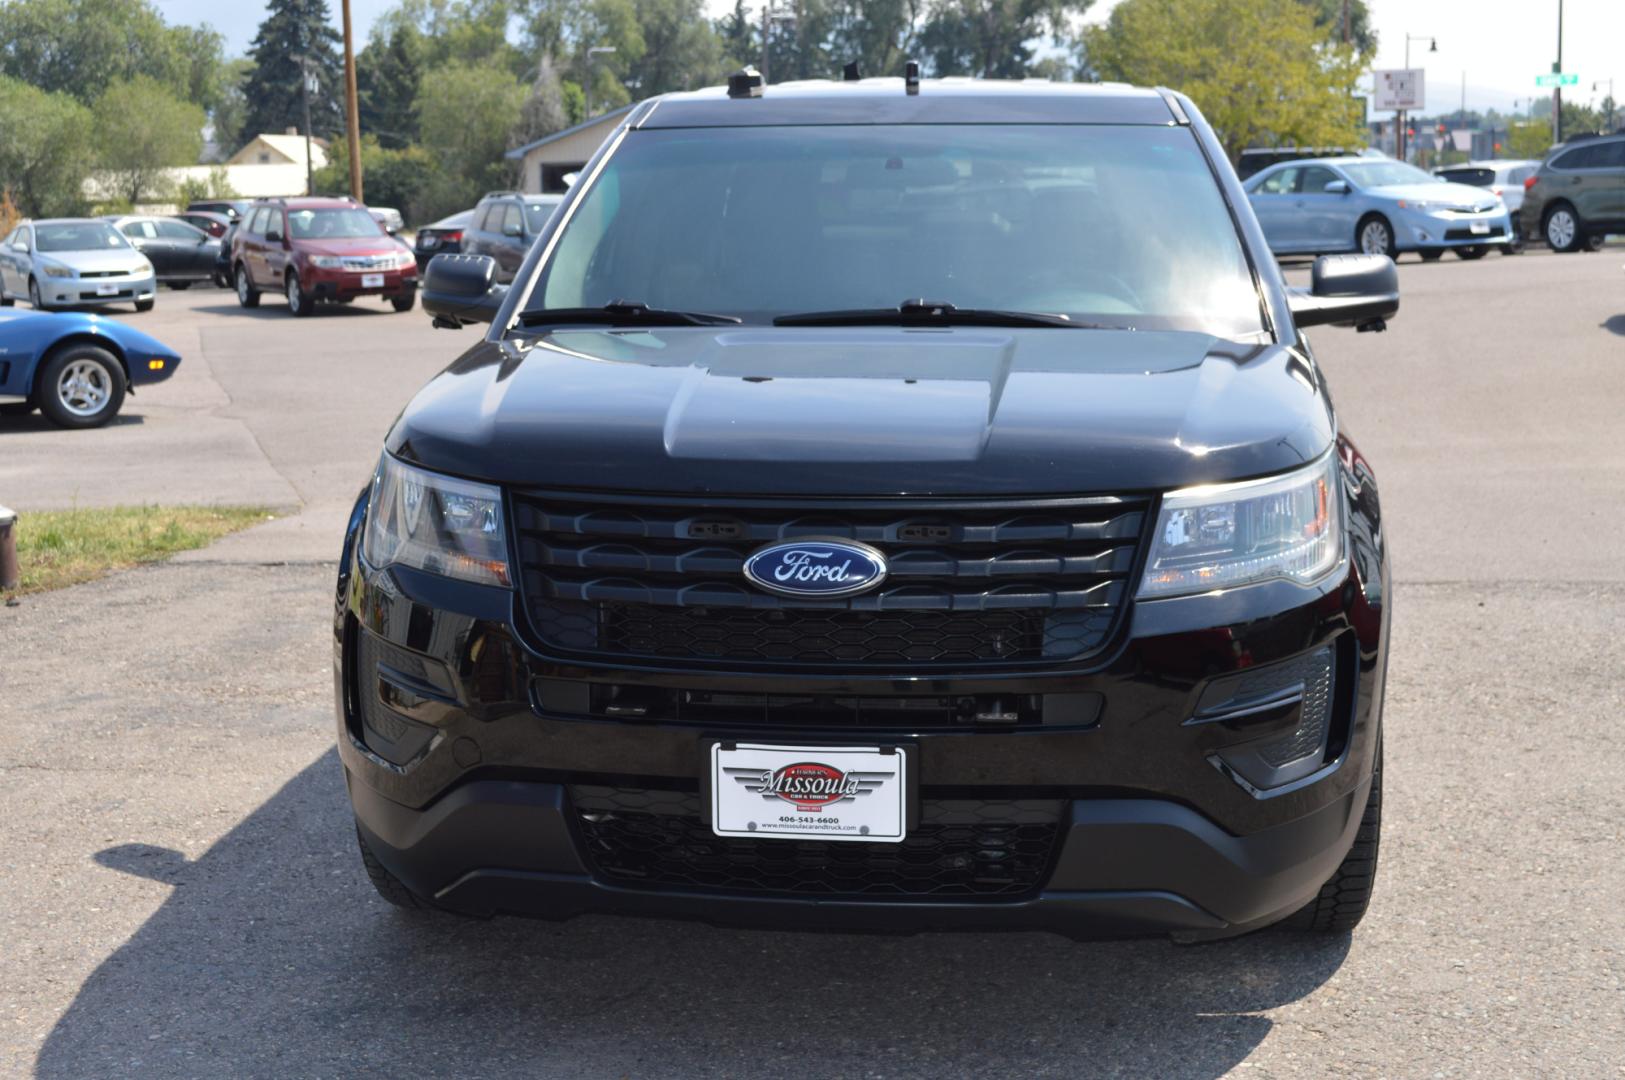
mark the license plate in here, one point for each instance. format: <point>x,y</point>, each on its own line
<point>1479,228</point>
<point>107,290</point>
<point>372,281</point>
<point>809,792</point>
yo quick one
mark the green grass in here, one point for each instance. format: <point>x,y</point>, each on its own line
<point>57,548</point>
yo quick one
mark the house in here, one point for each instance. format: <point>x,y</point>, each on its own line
<point>284,149</point>
<point>548,160</point>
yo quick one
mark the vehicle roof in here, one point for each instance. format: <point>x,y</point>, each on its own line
<point>452,221</point>
<point>60,221</point>
<point>311,202</point>
<point>886,101</point>
<point>1491,163</point>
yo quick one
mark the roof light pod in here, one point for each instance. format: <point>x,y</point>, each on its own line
<point>745,83</point>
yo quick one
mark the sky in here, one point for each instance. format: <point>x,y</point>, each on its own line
<point>1500,48</point>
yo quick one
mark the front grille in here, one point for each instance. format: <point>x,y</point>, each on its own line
<point>968,585</point>
<point>105,273</point>
<point>368,262</point>
<point>962,848</point>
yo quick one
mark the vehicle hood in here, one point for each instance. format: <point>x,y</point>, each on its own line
<point>358,245</point>
<point>890,411</point>
<point>1447,193</point>
<point>124,260</point>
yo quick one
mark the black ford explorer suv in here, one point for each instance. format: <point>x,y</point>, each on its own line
<point>889,504</point>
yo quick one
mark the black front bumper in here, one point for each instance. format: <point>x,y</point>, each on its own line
<point>467,778</point>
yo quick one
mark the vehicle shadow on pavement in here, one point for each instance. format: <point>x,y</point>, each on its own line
<point>35,422</point>
<point>272,956</point>
<point>1614,324</point>
<point>273,307</point>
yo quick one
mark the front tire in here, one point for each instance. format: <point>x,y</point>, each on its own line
<point>247,295</point>
<point>144,305</point>
<point>1477,251</point>
<point>388,885</point>
<point>5,301</point>
<point>33,295</point>
<point>300,303</point>
<point>1342,902</point>
<point>405,301</point>
<point>81,386</point>
<point>1431,254</point>
<point>1562,229</point>
<point>1374,236</point>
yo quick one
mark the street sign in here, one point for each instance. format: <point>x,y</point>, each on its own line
<point>1397,88</point>
<point>1555,79</point>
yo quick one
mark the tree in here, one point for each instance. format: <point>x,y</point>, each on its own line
<point>466,113</point>
<point>217,185</point>
<point>878,35</point>
<point>1329,18</point>
<point>292,30</point>
<point>546,110</point>
<point>46,150</point>
<point>1529,138</point>
<point>78,46</point>
<point>1257,69</point>
<point>230,113</point>
<point>680,49</point>
<point>993,39</point>
<point>395,177</point>
<point>142,130</point>
<point>389,74</point>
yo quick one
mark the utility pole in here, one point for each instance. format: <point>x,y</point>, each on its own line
<point>352,112</point>
<point>1345,22</point>
<point>1404,115</point>
<point>592,52</point>
<point>1557,91</point>
<point>304,97</point>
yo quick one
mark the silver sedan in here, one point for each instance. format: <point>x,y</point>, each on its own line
<point>74,262</point>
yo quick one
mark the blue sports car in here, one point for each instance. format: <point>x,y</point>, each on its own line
<point>1375,205</point>
<point>74,367</point>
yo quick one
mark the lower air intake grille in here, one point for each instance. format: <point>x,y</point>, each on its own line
<point>964,848</point>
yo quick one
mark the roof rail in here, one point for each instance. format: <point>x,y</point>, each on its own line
<point>500,194</point>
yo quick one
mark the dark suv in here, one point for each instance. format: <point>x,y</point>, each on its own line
<point>886,505</point>
<point>1577,197</point>
<point>313,250</point>
<point>505,224</point>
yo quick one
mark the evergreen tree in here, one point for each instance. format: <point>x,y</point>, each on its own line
<point>295,29</point>
<point>388,75</point>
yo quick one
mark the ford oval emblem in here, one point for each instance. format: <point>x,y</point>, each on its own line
<point>816,569</point>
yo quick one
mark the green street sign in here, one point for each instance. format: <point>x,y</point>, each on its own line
<point>1555,79</point>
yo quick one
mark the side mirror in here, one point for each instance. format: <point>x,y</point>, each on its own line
<point>1337,187</point>
<point>21,245</point>
<point>462,289</point>
<point>1361,291</point>
<point>513,228</point>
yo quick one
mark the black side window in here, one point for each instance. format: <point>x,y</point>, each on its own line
<point>1578,158</point>
<point>1612,154</point>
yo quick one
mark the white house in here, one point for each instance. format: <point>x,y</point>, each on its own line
<point>548,160</point>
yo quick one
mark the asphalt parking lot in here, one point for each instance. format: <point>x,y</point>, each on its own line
<point>183,896</point>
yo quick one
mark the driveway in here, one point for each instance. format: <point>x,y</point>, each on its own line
<point>183,897</point>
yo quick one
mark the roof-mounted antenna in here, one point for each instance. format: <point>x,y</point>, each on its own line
<point>745,83</point>
<point>851,72</point>
<point>911,77</point>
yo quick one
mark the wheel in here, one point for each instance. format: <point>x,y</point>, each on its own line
<point>1594,242</point>
<point>404,301</point>
<point>1562,228</point>
<point>1477,251</point>
<point>33,294</point>
<point>247,295</point>
<point>179,286</point>
<point>1343,900</point>
<point>5,301</point>
<point>300,303</point>
<point>144,305</point>
<point>81,386</point>
<point>1431,254</point>
<point>388,885</point>
<point>1374,236</point>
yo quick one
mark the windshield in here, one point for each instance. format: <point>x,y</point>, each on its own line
<point>331,224</point>
<point>77,236</point>
<point>537,213</point>
<point>1121,226</point>
<point>1384,173</point>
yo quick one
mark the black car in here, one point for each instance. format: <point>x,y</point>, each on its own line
<point>181,254</point>
<point>891,504</point>
<point>231,208</point>
<point>444,237</point>
<point>504,226</point>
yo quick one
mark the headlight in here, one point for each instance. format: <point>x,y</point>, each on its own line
<point>54,270</point>
<point>1418,205</point>
<point>327,262</point>
<point>403,259</point>
<point>436,523</point>
<point>1226,535</point>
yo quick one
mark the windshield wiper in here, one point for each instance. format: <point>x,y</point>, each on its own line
<point>931,313</point>
<point>625,313</point>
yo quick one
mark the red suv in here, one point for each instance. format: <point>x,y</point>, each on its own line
<point>319,249</point>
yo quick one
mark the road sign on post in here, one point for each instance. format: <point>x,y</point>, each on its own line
<point>1556,79</point>
<point>1398,89</point>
